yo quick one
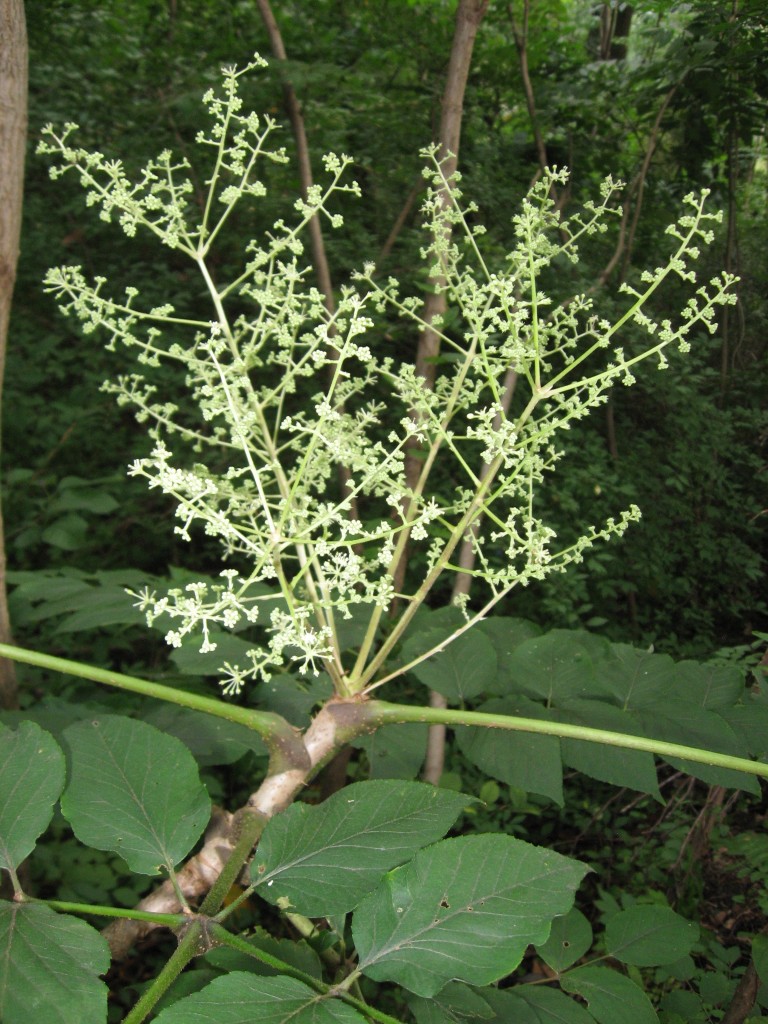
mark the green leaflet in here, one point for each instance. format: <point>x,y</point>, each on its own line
<point>569,940</point>
<point>135,791</point>
<point>51,964</point>
<point>395,751</point>
<point>31,781</point>
<point>533,1004</point>
<point>648,936</point>
<point>453,1004</point>
<point>466,668</point>
<point>240,998</point>
<point>610,996</point>
<point>210,740</point>
<point>760,956</point>
<point>324,859</point>
<point>524,760</point>
<point>463,909</point>
<point>635,769</point>
<point>298,954</point>
<point>556,666</point>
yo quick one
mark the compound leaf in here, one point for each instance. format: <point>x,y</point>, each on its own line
<point>463,909</point>
<point>135,791</point>
<point>322,860</point>
<point>31,780</point>
<point>241,998</point>
<point>50,970</point>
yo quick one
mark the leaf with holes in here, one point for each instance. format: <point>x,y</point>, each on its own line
<point>464,909</point>
<point>569,940</point>
<point>322,860</point>
<point>135,791</point>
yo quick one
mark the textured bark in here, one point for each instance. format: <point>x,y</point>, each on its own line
<point>744,997</point>
<point>13,136</point>
<point>331,729</point>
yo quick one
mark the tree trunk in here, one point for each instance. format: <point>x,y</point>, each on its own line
<point>319,258</point>
<point>13,137</point>
<point>469,14</point>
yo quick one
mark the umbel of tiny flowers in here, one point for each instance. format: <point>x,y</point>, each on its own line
<point>286,392</point>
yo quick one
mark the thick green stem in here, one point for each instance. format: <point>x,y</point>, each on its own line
<point>265,723</point>
<point>251,826</point>
<point>189,946</point>
<point>380,713</point>
<point>224,937</point>
<point>168,920</point>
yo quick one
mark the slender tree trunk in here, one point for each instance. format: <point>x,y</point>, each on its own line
<point>521,42</point>
<point>469,14</point>
<point>13,137</point>
<point>319,257</point>
<point>293,108</point>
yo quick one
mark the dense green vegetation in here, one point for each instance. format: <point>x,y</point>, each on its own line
<point>669,97</point>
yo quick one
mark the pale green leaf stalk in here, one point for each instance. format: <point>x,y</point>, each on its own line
<point>286,392</point>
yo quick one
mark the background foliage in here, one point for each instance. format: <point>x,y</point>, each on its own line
<point>683,108</point>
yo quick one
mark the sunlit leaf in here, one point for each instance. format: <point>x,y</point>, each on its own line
<point>569,940</point>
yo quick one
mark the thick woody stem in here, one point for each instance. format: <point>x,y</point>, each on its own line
<point>336,723</point>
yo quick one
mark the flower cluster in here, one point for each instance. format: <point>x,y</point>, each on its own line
<point>295,457</point>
